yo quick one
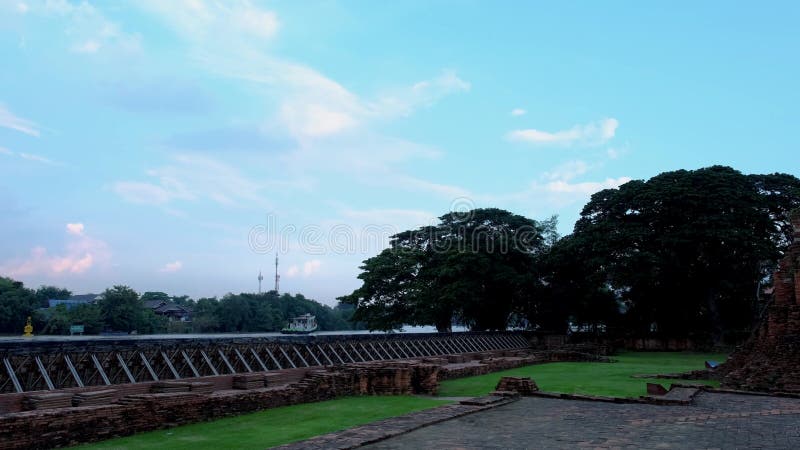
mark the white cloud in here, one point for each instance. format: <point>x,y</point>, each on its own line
<point>617,152</point>
<point>171,267</point>
<point>75,228</point>
<point>38,158</point>
<point>196,178</point>
<point>81,254</point>
<point>585,188</point>
<point>226,39</point>
<point>311,267</point>
<point>593,133</point>
<point>145,193</point>
<point>403,102</point>
<point>330,123</point>
<point>29,157</point>
<point>568,170</point>
<point>22,8</point>
<point>556,188</point>
<point>402,219</point>
<point>315,120</point>
<point>308,268</point>
<point>198,20</point>
<point>89,46</point>
<point>86,28</point>
<point>410,183</point>
<point>516,112</point>
<point>9,120</point>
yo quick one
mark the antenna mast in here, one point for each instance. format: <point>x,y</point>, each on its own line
<point>277,277</point>
<point>260,278</point>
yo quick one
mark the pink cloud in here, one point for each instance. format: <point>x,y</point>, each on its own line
<point>81,253</point>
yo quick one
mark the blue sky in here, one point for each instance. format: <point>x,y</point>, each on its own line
<point>177,146</point>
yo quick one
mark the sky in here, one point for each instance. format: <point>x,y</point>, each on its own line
<point>179,146</point>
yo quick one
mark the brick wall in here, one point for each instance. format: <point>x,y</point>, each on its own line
<point>135,410</point>
<point>770,360</point>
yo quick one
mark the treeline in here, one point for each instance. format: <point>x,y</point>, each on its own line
<point>263,312</point>
<point>121,309</point>
<point>684,254</point>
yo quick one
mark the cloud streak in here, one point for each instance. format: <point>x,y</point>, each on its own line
<point>195,178</point>
<point>30,157</point>
<point>590,134</point>
<point>13,122</point>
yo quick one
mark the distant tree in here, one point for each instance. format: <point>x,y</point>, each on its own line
<point>155,296</point>
<point>234,313</point>
<point>148,322</point>
<point>45,293</point>
<point>184,300</point>
<point>205,317</point>
<point>16,303</point>
<point>88,315</point>
<point>57,320</point>
<point>121,309</point>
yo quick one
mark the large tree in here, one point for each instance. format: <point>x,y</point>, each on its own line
<point>476,267</point>
<point>684,251</point>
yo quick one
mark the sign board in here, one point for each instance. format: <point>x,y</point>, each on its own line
<point>75,329</point>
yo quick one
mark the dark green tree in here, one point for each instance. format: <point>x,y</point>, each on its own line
<point>121,309</point>
<point>45,293</point>
<point>16,303</point>
<point>155,296</point>
<point>477,268</point>
<point>683,252</point>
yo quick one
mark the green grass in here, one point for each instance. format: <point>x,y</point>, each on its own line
<point>608,379</point>
<point>274,426</point>
<point>292,423</point>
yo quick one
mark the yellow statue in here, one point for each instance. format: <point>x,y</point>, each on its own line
<point>28,329</point>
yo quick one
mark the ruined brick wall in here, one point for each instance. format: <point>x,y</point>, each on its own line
<point>770,360</point>
<point>134,411</point>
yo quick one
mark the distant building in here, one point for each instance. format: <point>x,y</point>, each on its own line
<point>75,300</point>
<point>172,311</point>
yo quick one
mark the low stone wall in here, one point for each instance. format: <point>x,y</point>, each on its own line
<point>511,360</point>
<point>135,411</point>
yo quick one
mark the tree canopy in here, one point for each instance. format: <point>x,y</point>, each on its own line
<point>681,254</point>
<point>476,267</point>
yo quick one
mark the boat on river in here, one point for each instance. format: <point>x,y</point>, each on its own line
<point>304,324</point>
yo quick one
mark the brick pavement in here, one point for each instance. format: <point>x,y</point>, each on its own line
<point>382,429</point>
<point>714,421</point>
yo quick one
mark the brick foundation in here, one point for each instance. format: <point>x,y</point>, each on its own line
<point>770,360</point>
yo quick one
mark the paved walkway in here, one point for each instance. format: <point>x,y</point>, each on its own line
<point>715,421</point>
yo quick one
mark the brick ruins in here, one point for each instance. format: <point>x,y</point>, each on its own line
<point>51,421</point>
<point>521,385</point>
<point>770,360</point>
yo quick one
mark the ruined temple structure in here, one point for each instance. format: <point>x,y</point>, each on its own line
<point>770,360</point>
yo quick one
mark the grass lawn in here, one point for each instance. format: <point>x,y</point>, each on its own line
<point>609,379</point>
<point>274,426</point>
